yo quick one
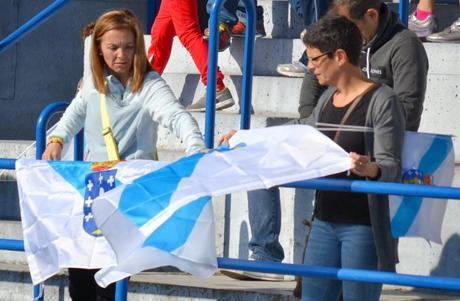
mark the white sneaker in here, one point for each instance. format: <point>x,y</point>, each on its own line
<point>296,69</point>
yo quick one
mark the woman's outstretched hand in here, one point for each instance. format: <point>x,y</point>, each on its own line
<point>223,139</point>
<point>52,152</point>
<point>363,166</point>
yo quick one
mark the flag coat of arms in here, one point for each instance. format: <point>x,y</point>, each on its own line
<point>427,159</point>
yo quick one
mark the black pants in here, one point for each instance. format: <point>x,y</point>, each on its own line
<point>83,287</point>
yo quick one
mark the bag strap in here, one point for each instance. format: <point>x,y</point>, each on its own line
<point>110,142</point>
<point>353,105</point>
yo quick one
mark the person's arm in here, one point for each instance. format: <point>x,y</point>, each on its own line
<point>69,125</point>
<point>388,123</point>
<point>410,67</point>
<point>167,111</point>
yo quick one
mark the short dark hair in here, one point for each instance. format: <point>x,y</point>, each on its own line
<point>335,32</point>
<point>357,8</point>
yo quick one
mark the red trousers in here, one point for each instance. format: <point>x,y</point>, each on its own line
<point>179,17</point>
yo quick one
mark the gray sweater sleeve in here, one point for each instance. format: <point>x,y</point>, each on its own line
<point>387,119</point>
<point>410,67</point>
<point>73,119</point>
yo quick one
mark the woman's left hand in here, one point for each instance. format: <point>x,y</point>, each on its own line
<point>362,166</point>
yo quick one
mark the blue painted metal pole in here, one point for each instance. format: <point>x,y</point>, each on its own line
<point>248,64</point>
<point>30,25</point>
<point>11,245</point>
<point>212,74</point>
<point>403,11</point>
<point>40,130</point>
<point>7,163</point>
<point>340,274</point>
<point>442,192</point>
<point>121,290</point>
<point>78,146</point>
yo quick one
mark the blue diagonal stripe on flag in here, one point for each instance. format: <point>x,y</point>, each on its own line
<point>410,206</point>
<point>155,189</point>
<point>73,172</point>
<point>181,224</point>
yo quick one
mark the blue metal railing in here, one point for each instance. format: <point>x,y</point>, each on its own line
<point>248,64</point>
<point>32,24</point>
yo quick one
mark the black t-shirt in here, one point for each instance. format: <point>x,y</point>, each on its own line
<point>339,206</point>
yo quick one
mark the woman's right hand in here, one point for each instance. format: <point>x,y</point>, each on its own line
<point>223,139</point>
<point>52,152</point>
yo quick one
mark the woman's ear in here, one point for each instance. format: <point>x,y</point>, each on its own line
<point>341,56</point>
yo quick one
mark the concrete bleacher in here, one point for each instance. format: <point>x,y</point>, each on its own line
<point>275,98</point>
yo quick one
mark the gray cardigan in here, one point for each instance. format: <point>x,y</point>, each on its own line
<point>385,115</point>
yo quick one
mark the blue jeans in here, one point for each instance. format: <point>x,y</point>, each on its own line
<point>264,211</point>
<point>340,246</point>
<point>310,10</point>
<point>228,11</point>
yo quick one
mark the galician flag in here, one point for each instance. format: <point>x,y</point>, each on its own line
<point>56,198</point>
<point>165,217</point>
<point>151,213</point>
<point>428,159</point>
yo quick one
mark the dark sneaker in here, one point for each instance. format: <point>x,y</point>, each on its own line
<point>423,28</point>
<point>449,35</point>
<point>224,36</point>
<point>239,29</point>
<point>295,69</point>
<point>224,99</point>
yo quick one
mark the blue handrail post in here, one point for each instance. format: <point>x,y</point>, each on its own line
<point>30,25</point>
<point>212,69</point>
<point>248,64</point>
<point>40,130</point>
<point>121,290</point>
<point>403,11</point>
<point>212,74</point>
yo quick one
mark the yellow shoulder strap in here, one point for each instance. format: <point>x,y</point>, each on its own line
<point>110,142</point>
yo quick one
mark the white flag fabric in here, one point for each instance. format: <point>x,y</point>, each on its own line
<point>165,217</point>
<point>55,200</point>
<point>427,159</point>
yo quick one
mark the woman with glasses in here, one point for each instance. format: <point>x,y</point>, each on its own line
<point>352,230</point>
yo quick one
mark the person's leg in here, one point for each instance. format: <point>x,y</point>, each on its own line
<point>358,252</point>
<point>161,38</point>
<point>185,19</point>
<point>264,212</point>
<point>323,249</point>
<point>423,21</point>
<point>82,286</point>
<point>451,34</point>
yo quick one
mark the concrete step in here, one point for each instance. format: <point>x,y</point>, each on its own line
<point>271,96</point>
<point>271,52</point>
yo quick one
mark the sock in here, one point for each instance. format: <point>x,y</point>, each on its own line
<point>422,14</point>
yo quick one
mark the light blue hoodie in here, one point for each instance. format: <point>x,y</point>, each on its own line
<point>134,118</point>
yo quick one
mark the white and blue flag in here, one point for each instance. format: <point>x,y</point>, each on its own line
<point>152,213</point>
<point>56,199</point>
<point>167,214</point>
<point>427,159</point>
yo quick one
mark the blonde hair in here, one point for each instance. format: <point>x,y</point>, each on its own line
<point>118,19</point>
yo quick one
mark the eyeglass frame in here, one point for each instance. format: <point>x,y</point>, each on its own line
<point>314,60</point>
